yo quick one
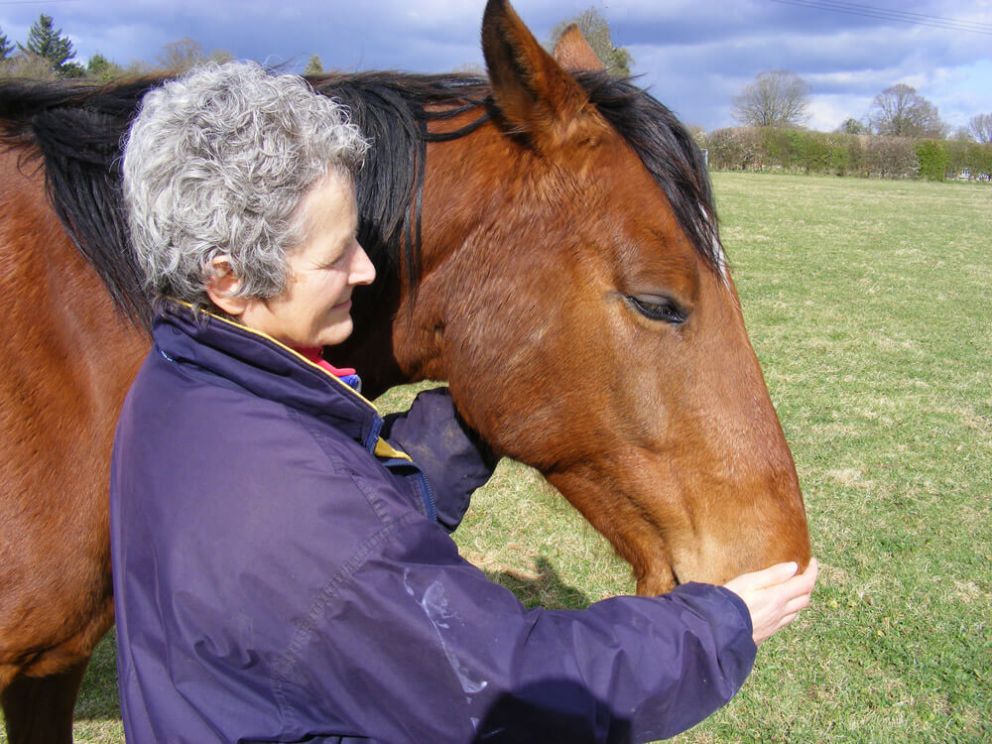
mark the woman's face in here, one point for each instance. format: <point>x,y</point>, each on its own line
<point>314,308</point>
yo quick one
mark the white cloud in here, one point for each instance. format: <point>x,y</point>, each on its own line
<point>827,113</point>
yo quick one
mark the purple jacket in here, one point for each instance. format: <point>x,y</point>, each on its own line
<point>281,573</point>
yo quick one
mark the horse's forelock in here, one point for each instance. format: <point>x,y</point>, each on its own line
<point>668,152</point>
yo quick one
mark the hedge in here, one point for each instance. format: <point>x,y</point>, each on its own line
<point>803,151</point>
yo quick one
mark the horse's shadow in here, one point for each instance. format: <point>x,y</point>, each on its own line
<point>98,699</point>
<point>545,589</point>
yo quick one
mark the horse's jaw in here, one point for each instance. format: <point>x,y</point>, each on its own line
<point>649,506</point>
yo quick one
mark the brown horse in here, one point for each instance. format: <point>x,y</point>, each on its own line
<point>546,242</point>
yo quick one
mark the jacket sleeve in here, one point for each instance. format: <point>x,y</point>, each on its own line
<point>451,456</point>
<point>450,656</point>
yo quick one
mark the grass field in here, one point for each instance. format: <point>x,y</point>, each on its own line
<point>870,306</point>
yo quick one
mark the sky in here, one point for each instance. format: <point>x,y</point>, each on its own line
<point>693,55</point>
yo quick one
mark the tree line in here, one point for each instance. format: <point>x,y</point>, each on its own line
<point>779,98</point>
<point>900,136</point>
<point>48,54</point>
<point>793,150</point>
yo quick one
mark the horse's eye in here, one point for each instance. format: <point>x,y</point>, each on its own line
<point>658,308</point>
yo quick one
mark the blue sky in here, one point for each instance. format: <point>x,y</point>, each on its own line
<point>694,55</point>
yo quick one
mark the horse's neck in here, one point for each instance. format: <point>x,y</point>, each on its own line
<point>399,322</point>
<point>463,179</point>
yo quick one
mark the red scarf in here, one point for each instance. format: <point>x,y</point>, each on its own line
<point>314,355</point>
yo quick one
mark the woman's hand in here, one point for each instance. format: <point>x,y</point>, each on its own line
<point>774,596</point>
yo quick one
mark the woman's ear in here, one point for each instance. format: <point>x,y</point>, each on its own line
<point>223,286</point>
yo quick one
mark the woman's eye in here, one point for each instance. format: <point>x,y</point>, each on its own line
<point>342,256</point>
<point>334,262</point>
<point>658,308</point>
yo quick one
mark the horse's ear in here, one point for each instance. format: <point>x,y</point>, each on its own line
<point>534,94</point>
<point>574,53</point>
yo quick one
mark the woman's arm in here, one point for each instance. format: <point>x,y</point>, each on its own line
<point>452,457</point>
<point>434,651</point>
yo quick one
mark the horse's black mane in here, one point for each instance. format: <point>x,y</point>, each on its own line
<point>78,130</point>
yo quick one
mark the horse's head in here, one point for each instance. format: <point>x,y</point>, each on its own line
<point>574,294</point>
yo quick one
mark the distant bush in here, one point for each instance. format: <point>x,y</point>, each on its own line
<point>734,149</point>
<point>842,154</point>
<point>891,157</point>
<point>791,150</point>
<point>968,160</point>
<point>27,65</point>
<point>933,160</point>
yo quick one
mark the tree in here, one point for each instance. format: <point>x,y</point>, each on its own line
<point>72,70</point>
<point>980,127</point>
<point>777,98</point>
<point>186,53</point>
<point>962,134</point>
<point>933,159</point>
<point>899,111</point>
<point>182,55</point>
<point>852,126</point>
<point>48,42</point>
<point>5,46</point>
<point>100,68</point>
<point>596,29</point>
<point>314,66</point>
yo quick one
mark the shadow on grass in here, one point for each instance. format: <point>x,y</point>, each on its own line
<point>546,589</point>
<point>98,700</point>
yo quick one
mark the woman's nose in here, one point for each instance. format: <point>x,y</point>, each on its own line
<point>362,269</point>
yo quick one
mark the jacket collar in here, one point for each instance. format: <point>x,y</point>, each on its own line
<point>263,366</point>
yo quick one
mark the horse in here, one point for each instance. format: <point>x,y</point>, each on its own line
<point>546,242</point>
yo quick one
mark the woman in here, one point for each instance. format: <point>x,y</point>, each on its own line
<point>282,570</point>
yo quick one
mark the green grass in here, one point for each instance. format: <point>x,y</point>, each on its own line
<point>870,306</point>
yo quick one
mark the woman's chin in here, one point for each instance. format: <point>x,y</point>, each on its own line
<point>336,335</point>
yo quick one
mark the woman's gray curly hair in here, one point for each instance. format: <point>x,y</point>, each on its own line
<point>218,162</point>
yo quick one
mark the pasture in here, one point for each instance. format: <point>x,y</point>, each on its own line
<point>870,306</point>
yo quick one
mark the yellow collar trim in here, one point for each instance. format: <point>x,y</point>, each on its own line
<point>387,451</point>
<point>383,448</point>
<point>283,346</point>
